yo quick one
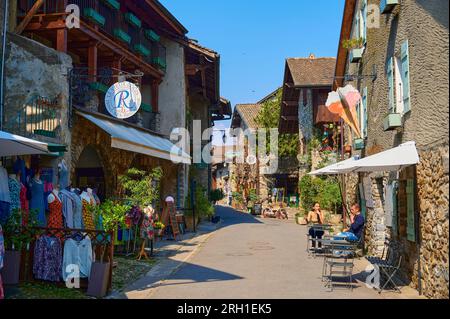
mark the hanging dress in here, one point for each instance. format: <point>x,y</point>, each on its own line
<point>24,204</point>
<point>55,218</point>
<point>37,202</point>
<point>88,220</point>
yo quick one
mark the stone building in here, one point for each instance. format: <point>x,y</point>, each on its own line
<point>64,73</point>
<point>400,67</point>
<point>306,84</point>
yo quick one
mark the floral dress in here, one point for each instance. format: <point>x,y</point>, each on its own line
<point>14,191</point>
<point>55,218</point>
<point>88,220</point>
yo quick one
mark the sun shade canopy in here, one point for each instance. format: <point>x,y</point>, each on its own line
<point>14,145</point>
<point>139,141</point>
<point>394,159</point>
<point>332,169</point>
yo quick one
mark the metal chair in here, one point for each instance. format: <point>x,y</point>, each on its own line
<point>338,259</point>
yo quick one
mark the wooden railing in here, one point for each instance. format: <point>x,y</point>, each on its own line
<point>114,20</point>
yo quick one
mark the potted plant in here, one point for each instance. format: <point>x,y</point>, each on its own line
<point>159,228</point>
<point>356,47</point>
<point>16,240</point>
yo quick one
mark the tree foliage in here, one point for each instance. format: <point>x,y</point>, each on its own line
<point>324,191</point>
<point>141,187</point>
<point>268,118</point>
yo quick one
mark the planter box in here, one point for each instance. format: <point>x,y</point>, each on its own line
<point>122,36</point>
<point>387,6</point>
<point>11,268</point>
<point>113,4</point>
<point>359,144</point>
<point>142,50</point>
<point>356,55</point>
<point>392,121</point>
<point>98,280</point>
<point>97,86</point>
<point>302,221</point>
<point>146,107</point>
<point>160,63</point>
<point>94,16</point>
<point>152,35</point>
<point>133,20</point>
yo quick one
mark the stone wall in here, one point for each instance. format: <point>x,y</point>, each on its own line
<point>433,196</point>
<point>305,118</point>
<point>116,161</point>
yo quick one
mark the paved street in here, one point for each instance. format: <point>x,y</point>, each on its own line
<point>252,258</point>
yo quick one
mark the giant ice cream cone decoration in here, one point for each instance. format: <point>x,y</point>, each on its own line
<point>343,102</point>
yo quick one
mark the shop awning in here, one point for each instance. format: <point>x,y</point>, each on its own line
<point>332,169</point>
<point>139,141</point>
<point>14,145</point>
<point>394,159</point>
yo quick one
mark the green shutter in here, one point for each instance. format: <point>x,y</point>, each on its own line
<point>365,117</point>
<point>406,77</point>
<point>364,21</point>
<point>410,219</point>
<point>395,208</point>
<point>391,85</point>
<point>357,28</point>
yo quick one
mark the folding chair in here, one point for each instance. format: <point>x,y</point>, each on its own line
<point>388,270</point>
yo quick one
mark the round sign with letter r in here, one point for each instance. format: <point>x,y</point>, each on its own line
<point>123,100</point>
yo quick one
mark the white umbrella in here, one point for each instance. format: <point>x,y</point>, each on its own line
<point>394,159</point>
<point>12,145</point>
<point>332,169</point>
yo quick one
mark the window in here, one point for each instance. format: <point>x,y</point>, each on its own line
<point>363,21</point>
<point>399,81</point>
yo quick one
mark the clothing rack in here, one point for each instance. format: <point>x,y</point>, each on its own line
<point>101,241</point>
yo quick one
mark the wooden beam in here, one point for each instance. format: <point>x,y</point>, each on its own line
<point>92,62</point>
<point>46,25</point>
<point>37,5</point>
<point>290,118</point>
<point>290,103</point>
<point>61,40</point>
<point>155,96</point>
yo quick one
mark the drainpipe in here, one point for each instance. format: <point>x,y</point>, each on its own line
<point>2,62</point>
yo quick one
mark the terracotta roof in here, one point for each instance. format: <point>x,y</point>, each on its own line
<point>312,71</point>
<point>193,44</point>
<point>248,113</point>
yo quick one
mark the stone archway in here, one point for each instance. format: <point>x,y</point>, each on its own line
<point>90,171</point>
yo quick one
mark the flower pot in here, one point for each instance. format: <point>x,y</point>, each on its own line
<point>98,280</point>
<point>11,268</point>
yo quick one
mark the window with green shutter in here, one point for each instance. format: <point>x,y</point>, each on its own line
<point>391,85</point>
<point>406,77</point>
<point>410,219</point>
<point>363,22</point>
<point>364,116</point>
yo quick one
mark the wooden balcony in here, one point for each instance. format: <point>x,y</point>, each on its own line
<point>110,26</point>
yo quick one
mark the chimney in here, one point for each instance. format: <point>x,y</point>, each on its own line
<point>312,56</point>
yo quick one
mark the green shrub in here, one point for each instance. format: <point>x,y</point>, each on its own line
<point>203,207</point>
<point>324,191</point>
<point>217,195</point>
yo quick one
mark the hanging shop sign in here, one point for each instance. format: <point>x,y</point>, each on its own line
<point>123,100</point>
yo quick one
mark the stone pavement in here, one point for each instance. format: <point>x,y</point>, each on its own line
<point>245,258</point>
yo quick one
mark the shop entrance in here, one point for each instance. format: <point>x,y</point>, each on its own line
<point>89,172</point>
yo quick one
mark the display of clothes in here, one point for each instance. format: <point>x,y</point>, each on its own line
<point>5,198</point>
<point>37,202</point>
<point>19,167</point>
<point>55,218</point>
<point>147,230</point>
<point>47,263</point>
<point>24,205</point>
<point>14,192</point>
<point>88,219</point>
<point>63,175</point>
<point>77,253</point>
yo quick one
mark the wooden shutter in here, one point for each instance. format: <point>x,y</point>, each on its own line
<point>395,208</point>
<point>405,77</point>
<point>364,120</point>
<point>410,218</point>
<point>390,78</point>
<point>363,23</point>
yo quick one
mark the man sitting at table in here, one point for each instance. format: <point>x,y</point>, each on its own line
<point>316,217</point>
<point>357,221</point>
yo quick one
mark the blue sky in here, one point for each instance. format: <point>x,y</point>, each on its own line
<point>254,37</point>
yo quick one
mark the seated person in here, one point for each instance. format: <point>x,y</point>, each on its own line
<point>316,217</point>
<point>357,224</point>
